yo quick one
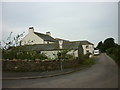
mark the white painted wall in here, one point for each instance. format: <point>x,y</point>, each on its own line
<point>31,38</point>
<point>73,52</point>
<point>46,42</point>
<point>50,54</point>
<point>90,49</point>
<point>53,54</point>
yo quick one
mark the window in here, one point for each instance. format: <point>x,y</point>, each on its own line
<point>87,51</point>
<point>87,46</point>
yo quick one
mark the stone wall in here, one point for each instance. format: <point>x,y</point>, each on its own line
<point>39,66</point>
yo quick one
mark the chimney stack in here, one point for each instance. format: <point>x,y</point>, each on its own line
<point>31,29</point>
<point>48,33</point>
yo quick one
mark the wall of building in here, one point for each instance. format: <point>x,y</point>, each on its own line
<point>47,42</point>
<point>31,38</point>
<point>50,54</point>
<point>53,54</point>
<point>89,48</point>
<point>73,52</point>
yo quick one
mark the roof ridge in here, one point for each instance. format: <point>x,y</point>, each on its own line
<point>39,33</point>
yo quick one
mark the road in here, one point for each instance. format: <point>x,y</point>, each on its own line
<point>104,74</point>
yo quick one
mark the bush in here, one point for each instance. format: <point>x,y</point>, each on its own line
<point>86,60</point>
<point>89,61</point>
<point>23,55</point>
<point>86,56</point>
<point>110,51</point>
<point>115,53</point>
<point>63,55</point>
<point>41,56</point>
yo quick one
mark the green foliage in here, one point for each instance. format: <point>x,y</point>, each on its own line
<point>23,55</point>
<point>41,56</point>
<point>89,61</point>
<point>108,43</point>
<point>69,56</point>
<point>86,56</point>
<point>110,48</point>
<point>63,55</point>
<point>84,59</point>
<point>99,45</point>
<point>114,52</point>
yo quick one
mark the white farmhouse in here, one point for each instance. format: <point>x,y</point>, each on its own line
<point>46,44</point>
<point>51,50</point>
<point>37,38</point>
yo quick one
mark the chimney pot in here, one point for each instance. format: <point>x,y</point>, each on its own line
<point>48,33</point>
<point>31,29</point>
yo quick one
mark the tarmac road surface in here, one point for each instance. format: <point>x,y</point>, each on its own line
<point>104,74</point>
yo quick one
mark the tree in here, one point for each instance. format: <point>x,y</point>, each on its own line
<point>114,52</point>
<point>100,46</point>
<point>12,42</point>
<point>8,43</point>
<point>109,43</point>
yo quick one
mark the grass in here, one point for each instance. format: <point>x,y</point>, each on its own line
<point>114,58</point>
<point>89,61</point>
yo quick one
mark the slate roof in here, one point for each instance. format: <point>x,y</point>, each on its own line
<point>38,47</point>
<point>61,39</point>
<point>49,47</point>
<point>86,42</point>
<point>71,45</point>
<point>45,37</point>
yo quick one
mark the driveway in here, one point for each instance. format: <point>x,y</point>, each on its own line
<point>104,74</point>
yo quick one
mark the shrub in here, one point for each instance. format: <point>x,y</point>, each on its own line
<point>89,61</point>
<point>63,55</point>
<point>114,52</point>
<point>84,59</point>
<point>23,55</point>
<point>41,56</point>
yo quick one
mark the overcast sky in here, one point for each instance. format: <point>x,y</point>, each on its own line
<point>93,21</point>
